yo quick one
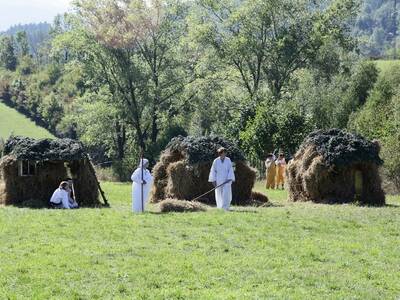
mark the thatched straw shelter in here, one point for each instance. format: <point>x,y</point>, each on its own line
<point>184,166</point>
<point>31,170</point>
<point>335,166</point>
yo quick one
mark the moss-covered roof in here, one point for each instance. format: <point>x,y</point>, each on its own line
<point>44,149</point>
<point>339,147</point>
<point>204,149</point>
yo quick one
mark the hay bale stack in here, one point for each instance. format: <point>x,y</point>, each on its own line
<point>174,205</point>
<point>184,166</point>
<point>54,160</point>
<point>335,166</point>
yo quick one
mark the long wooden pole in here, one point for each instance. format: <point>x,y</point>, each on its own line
<point>97,182</point>
<point>141,162</point>
<point>201,196</point>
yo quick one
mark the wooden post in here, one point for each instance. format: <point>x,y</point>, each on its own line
<point>97,182</point>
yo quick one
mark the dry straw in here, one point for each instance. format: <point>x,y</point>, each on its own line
<point>184,166</point>
<point>335,166</point>
<point>174,205</point>
<point>55,160</point>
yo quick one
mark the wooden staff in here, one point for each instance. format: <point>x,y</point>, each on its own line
<point>91,169</point>
<point>141,162</point>
<point>201,196</point>
<point>73,190</point>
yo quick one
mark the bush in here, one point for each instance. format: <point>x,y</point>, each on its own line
<point>275,126</point>
<point>379,119</point>
<point>26,66</point>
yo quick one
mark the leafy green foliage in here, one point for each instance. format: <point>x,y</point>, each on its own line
<point>379,119</point>
<point>8,58</point>
<point>267,41</point>
<point>377,28</point>
<point>275,127</point>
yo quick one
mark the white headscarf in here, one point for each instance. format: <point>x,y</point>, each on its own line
<point>143,162</point>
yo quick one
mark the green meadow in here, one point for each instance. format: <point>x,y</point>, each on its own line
<point>383,65</point>
<point>12,122</point>
<point>286,251</point>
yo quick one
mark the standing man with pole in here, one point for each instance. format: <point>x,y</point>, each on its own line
<point>141,185</point>
<point>222,176</point>
<point>142,181</point>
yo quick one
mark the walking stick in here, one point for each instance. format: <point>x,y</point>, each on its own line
<point>201,196</point>
<point>73,190</point>
<point>141,162</point>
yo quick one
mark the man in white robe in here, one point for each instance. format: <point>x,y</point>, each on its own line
<point>222,173</point>
<point>139,183</point>
<point>59,199</point>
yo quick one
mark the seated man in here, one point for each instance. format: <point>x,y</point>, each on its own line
<point>71,194</point>
<point>59,199</point>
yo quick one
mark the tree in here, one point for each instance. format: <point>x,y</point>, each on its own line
<point>7,53</point>
<point>132,47</point>
<point>21,39</point>
<point>266,41</point>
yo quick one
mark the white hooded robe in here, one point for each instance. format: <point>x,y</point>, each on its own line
<point>221,172</point>
<point>137,189</point>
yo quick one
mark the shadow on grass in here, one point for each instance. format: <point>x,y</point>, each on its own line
<point>33,204</point>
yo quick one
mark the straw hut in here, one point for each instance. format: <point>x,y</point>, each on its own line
<point>184,166</point>
<point>335,166</point>
<point>31,170</point>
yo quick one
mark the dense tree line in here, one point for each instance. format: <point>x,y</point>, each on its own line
<point>377,28</point>
<point>126,76</point>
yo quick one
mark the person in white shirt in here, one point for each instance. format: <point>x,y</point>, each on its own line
<point>141,184</point>
<point>222,173</point>
<point>59,199</point>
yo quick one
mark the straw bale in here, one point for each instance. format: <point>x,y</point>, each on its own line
<point>174,205</point>
<point>325,167</point>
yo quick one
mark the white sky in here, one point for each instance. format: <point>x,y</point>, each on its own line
<point>14,12</point>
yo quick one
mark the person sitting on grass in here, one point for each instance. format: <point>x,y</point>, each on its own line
<point>59,199</point>
<point>71,194</point>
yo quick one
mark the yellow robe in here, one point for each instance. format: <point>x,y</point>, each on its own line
<point>270,174</point>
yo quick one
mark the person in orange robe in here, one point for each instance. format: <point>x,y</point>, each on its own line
<point>280,170</point>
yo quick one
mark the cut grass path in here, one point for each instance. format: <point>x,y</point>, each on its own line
<point>288,251</point>
<point>13,122</point>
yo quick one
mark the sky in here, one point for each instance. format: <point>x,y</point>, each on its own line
<point>14,12</point>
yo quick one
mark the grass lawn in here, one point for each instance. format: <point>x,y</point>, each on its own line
<point>289,251</point>
<point>12,122</point>
<point>384,65</point>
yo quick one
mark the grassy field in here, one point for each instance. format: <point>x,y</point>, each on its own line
<point>384,65</point>
<point>12,122</point>
<point>287,251</point>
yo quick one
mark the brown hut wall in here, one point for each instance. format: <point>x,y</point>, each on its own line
<point>17,189</point>
<point>85,182</point>
<point>310,179</point>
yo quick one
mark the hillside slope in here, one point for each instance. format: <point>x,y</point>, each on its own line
<point>12,122</point>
